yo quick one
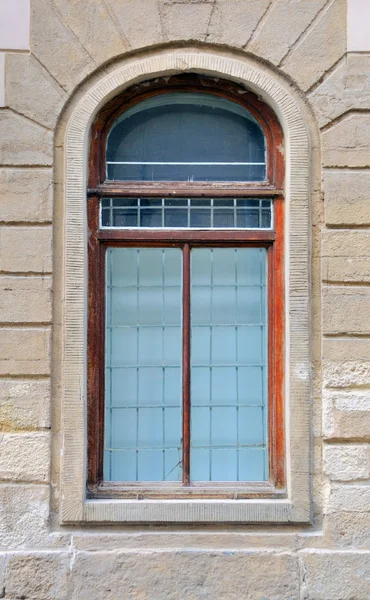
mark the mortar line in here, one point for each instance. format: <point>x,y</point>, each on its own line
<point>317,17</point>
<point>259,24</point>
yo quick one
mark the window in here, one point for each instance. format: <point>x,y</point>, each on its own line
<point>186,293</point>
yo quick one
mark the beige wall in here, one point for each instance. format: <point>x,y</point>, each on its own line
<point>72,44</point>
<point>358,24</point>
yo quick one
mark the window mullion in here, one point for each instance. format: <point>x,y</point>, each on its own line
<point>186,365</point>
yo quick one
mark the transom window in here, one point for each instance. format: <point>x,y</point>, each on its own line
<point>203,138</point>
<point>186,296</point>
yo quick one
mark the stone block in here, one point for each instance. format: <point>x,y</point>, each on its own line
<point>347,374</point>
<point>37,576</point>
<point>26,249</point>
<point>349,498</point>
<point>347,197</point>
<point>347,462</point>
<point>25,351</point>
<point>346,256</point>
<point>23,142</point>
<point>338,269</point>
<point>25,299</point>
<point>25,457</point>
<point>177,575</point>
<point>186,21</point>
<point>347,350</point>
<point>336,575</point>
<point>321,48</point>
<point>347,88</point>
<point>186,539</point>
<point>26,195</point>
<point>31,91</point>
<point>354,244</point>
<point>283,26</point>
<point>346,310</point>
<point>347,143</point>
<point>350,530</point>
<point>56,46</point>
<point>139,21</point>
<point>24,404</point>
<point>232,24</point>
<point>346,414</point>
<point>24,513</point>
<point>95,26</point>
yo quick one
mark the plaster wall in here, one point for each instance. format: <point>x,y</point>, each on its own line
<point>72,45</point>
<point>358,26</point>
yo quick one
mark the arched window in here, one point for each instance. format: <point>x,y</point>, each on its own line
<point>186,298</point>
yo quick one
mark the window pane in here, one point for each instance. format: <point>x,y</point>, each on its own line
<point>186,137</point>
<point>143,368</point>
<point>228,365</point>
<point>193,213</point>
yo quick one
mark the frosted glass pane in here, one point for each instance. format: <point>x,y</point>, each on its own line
<point>123,382</point>
<point>124,306</point>
<point>251,344</point>
<point>251,267</point>
<point>150,465</point>
<point>251,385</point>
<point>172,384</point>
<point>201,296</point>
<point>200,388</point>
<point>219,141</point>
<point>149,385</point>
<point>172,346</point>
<point>200,343</point>
<point>122,465</point>
<point>224,464</point>
<point>223,345</point>
<point>224,385</point>
<point>250,423</point>
<point>143,365</point>
<point>124,267</point>
<point>228,364</point>
<point>223,266</point>
<point>150,346</point>
<point>200,270</point>
<point>123,347</point>
<point>252,464</point>
<point>223,305</point>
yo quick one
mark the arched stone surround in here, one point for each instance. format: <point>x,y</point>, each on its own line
<point>296,507</point>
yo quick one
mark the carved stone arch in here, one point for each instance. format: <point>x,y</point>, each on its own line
<point>275,92</point>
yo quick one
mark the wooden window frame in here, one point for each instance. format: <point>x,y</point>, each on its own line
<point>101,239</point>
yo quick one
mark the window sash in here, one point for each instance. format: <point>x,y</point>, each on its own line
<point>99,242</point>
<point>131,275</point>
<point>186,213</point>
<point>100,239</point>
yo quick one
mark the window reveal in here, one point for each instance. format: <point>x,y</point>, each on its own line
<point>188,379</point>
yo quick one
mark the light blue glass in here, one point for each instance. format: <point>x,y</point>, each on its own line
<point>184,136</point>
<point>143,365</point>
<point>228,365</point>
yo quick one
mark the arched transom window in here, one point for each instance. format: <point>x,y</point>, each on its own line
<point>185,337</point>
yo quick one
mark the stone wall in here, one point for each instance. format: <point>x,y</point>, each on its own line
<point>72,41</point>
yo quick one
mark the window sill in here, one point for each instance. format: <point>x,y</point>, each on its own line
<point>176,491</point>
<point>204,511</point>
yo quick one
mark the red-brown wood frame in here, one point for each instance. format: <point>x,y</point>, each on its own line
<point>100,239</point>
